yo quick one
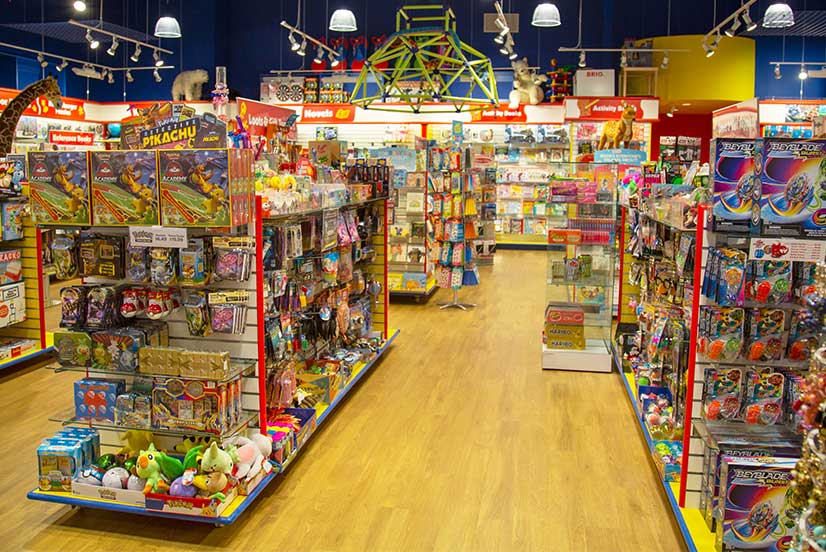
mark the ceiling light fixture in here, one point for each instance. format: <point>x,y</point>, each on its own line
<point>306,40</point>
<point>62,66</point>
<point>343,21</point>
<point>546,15</point>
<point>93,43</point>
<point>80,6</point>
<point>750,25</point>
<point>319,56</point>
<point>111,78</point>
<point>42,61</point>
<point>777,74</point>
<point>671,111</point>
<point>168,27</point>
<point>157,57</point>
<point>709,50</point>
<point>303,49</point>
<point>114,47</point>
<point>137,55</point>
<point>582,62</point>
<point>623,59</point>
<point>334,62</point>
<point>513,56</point>
<point>157,75</point>
<point>803,75</point>
<point>294,45</point>
<point>731,31</point>
<point>664,64</point>
<point>129,77</point>
<point>499,39</point>
<point>778,16</point>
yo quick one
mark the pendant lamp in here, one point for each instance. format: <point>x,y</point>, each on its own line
<point>343,21</point>
<point>778,16</point>
<point>546,15</point>
<point>167,27</point>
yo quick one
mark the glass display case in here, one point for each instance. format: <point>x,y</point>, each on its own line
<point>580,274</point>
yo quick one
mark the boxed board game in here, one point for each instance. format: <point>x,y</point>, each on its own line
<point>754,513</point>
<point>793,188</point>
<point>124,187</point>
<point>205,188</point>
<point>59,187</point>
<point>735,181</point>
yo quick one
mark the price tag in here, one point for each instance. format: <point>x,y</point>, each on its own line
<point>787,249</point>
<point>157,236</point>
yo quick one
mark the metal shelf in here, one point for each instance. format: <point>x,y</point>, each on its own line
<point>239,367</point>
<point>247,418</point>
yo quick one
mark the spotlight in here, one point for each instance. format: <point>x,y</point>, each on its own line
<point>80,6</point>
<point>777,74</point>
<point>731,31</point>
<point>302,50</point>
<point>664,64</point>
<point>62,66</point>
<point>623,59</point>
<point>803,75</point>
<point>294,45</point>
<point>319,56</point>
<point>504,50</point>
<point>582,62</point>
<point>137,55</point>
<point>111,78</point>
<point>93,43</point>
<point>157,57</point>
<point>672,110</point>
<point>333,60</point>
<point>499,39</point>
<point>129,77</point>
<point>710,50</point>
<point>750,25</point>
<point>42,60</point>
<point>114,47</point>
<point>103,73</point>
<point>157,75</point>
<point>513,56</point>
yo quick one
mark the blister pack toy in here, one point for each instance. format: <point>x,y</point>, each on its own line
<point>804,280</point>
<point>73,306</point>
<point>117,349</point>
<point>137,264</point>
<point>197,314</point>
<point>101,307</point>
<point>233,258</point>
<point>194,262</point>
<point>769,281</point>
<point>64,255</point>
<point>724,391</point>
<point>101,256</point>
<point>163,266</point>
<point>731,279</point>
<point>763,401</point>
<point>228,311</point>
<point>802,335</point>
<point>721,332</point>
<point>765,341</point>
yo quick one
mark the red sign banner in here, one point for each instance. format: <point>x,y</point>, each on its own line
<point>606,109</point>
<point>501,114</point>
<point>328,113</point>
<point>72,110</point>
<point>71,138</point>
<point>257,116</point>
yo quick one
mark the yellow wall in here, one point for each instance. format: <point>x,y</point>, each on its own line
<point>726,77</point>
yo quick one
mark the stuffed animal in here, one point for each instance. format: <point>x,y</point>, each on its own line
<point>136,441</point>
<point>249,455</point>
<point>157,469</point>
<point>216,466</point>
<point>615,132</point>
<point>188,85</point>
<point>527,83</point>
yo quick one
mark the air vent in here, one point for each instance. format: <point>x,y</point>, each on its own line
<point>491,27</point>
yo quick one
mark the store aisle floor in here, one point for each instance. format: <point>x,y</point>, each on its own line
<point>456,441</point>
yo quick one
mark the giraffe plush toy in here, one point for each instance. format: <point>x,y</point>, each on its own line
<point>614,132</point>
<point>11,115</point>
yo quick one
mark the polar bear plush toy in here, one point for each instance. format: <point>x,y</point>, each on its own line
<point>188,85</point>
<point>527,83</point>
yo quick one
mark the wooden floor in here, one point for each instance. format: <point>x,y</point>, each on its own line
<point>456,441</point>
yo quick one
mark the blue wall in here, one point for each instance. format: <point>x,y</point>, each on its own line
<point>789,86</point>
<point>246,37</point>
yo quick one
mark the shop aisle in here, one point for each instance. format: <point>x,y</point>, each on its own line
<point>457,441</point>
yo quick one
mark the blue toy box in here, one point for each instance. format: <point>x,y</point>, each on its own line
<point>95,398</point>
<point>793,188</point>
<point>58,462</point>
<point>11,216</point>
<point>734,184</point>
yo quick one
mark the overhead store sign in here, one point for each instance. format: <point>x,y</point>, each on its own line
<point>71,138</point>
<point>740,120</point>
<point>257,116</point>
<point>73,110</point>
<point>607,109</point>
<point>328,113</point>
<point>501,114</point>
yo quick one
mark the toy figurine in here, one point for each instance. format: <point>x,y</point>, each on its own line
<point>616,132</point>
<point>157,469</point>
<point>526,85</point>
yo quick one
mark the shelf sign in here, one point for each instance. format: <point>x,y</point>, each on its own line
<point>71,138</point>
<point>157,236</point>
<point>328,113</point>
<point>787,249</point>
<point>500,114</point>
<point>621,156</point>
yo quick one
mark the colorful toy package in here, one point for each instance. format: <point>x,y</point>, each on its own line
<point>59,187</point>
<point>95,398</point>
<point>11,215</point>
<point>124,188</point>
<point>763,402</point>
<point>765,336</point>
<point>793,188</point>
<point>753,512</point>
<point>724,389</point>
<point>735,182</point>
<point>205,188</point>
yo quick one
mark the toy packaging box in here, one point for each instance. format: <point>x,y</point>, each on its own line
<point>734,183</point>
<point>59,461</point>
<point>124,187</point>
<point>59,187</point>
<point>754,513</point>
<point>12,304</point>
<point>205,188</point>
<point>12,174</point>
<point>73,348</point>
<point>117,349</point>
<point>11,266</point>
<point>95,398</point>
<point>793,188</point>
<point>190,404</point>
<point>12,347</point>
<point>11,217</point>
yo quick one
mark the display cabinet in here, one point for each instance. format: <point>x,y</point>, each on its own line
<point>580,273</point>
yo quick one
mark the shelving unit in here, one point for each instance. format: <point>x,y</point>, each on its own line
<point>523,209</point>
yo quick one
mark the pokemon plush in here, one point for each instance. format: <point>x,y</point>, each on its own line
<point>136,441</point>
<point>157,469</point>
<point>216,466</point>
<point>188,85</point>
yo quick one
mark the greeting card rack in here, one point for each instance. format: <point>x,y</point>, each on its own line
<point>252,365</point>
